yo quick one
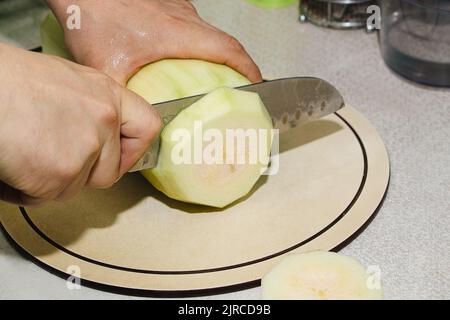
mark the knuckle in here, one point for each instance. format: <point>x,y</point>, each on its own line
<point>233,43</point>
<point>107,115</point>
<point>67,172</point>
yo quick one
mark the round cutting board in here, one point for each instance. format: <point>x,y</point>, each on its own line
<point>333,176</point>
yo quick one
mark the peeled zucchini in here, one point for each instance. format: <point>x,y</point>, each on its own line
<point>216,183</point>
<point>319,276</point>
<point>213,183</point>
<point>175,78</point>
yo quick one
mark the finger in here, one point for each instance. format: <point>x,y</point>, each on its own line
<point>218,47</point>
<point>234,55</point>
<point>141,124</point>
<point>105,171</point>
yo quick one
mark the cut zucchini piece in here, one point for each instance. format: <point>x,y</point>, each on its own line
<point>319,276</point>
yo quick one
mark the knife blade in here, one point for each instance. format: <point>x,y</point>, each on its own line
<point>290,102</point>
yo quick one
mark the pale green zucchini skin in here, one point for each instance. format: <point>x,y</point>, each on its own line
<point>52,38</point>
<point>212,185</point>
<point>175,78</point>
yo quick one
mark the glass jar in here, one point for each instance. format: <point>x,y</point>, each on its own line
<point>415,39</point>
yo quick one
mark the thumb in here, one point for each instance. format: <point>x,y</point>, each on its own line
<point>141,124</point>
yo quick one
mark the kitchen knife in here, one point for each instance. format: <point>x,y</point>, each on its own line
<point>290,102</point>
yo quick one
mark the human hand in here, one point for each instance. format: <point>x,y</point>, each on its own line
<point>64,126</point>
<point>120,36</point>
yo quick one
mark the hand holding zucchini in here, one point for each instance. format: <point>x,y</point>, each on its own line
<point>58,134</point>
<point>118,37</point>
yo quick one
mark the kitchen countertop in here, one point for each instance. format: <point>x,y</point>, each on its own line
<point>20,21</point>
<point>410,237</point>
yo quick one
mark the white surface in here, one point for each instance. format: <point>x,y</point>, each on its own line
<point>410,237</point>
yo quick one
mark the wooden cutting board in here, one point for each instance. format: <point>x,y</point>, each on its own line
<point>333,176</point>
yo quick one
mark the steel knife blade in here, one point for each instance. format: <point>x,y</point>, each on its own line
<point>290,102</point>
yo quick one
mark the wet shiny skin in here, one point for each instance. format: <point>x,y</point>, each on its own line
<point>119,37</point>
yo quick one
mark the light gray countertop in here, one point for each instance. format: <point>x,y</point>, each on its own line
<point>20,21</point>
<point>410,237</point>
